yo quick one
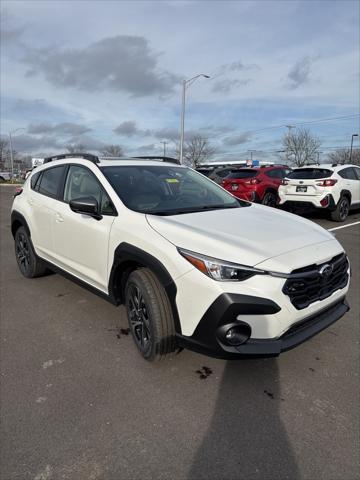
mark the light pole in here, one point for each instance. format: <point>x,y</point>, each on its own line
<point>11,149</point>
<point>351,148</point>
<point>185,85</point>
<point>164,143</point>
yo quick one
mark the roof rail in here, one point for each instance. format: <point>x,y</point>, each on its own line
<point>161,159</point>
<point>63,156</point>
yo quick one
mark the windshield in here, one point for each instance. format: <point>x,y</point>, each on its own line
<point>309,173</point>
<point>242,174</point>
<point>164,190</point>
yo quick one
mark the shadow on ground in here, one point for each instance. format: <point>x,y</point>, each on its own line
<point>246,438</point>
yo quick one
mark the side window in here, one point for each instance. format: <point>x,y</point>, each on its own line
<point>348,173</point>
<point>275,173</point>
<point>80,182</point>
<point>357,172</point>
<point>50,181</point>
<point>34,180</point>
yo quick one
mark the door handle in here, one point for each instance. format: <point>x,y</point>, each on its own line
<point>58,217</point>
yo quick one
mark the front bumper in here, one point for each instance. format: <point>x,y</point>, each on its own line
<point>208,337</point>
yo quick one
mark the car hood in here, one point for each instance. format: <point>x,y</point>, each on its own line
<point>245,235</point>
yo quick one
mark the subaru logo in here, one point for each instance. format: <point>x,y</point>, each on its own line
<point>326,270</point>
<point>301,181</point>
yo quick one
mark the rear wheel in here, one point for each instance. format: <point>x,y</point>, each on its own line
<point>342,210</point>
<point>29,264</point>
<point>269,199</point>
<point>149,315</point>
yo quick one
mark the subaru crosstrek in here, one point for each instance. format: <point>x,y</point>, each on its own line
<point>333,188</point>
<point>194,266</point>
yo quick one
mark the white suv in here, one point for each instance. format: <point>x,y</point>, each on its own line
<point>335,188</point>
<point>195,266</point>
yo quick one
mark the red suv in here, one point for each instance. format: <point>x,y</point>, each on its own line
<point>256,184</point>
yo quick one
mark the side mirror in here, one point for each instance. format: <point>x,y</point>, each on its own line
<point>86,206</point>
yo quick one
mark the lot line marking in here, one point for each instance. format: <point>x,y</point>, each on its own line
<point>343,226</point>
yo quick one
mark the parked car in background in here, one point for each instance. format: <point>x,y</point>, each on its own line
<point>194,266</point>
<point>220,173</point>
<point>5,176</point>
<point>256,184</point>
<point>333,188</point>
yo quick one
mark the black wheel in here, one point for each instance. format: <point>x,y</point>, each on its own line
<point>269,199</point>
<point>342,210</point>
<point>29,264</point>
<point>149,315</point>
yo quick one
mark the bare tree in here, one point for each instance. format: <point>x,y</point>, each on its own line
<point>197,149</point>
<point>301,147</point>
<point>343,156</point>
<point>113,151</point>
<point>75,148</point>
<point>4,151</point>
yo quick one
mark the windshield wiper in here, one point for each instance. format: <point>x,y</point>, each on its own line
<point>191,210</point>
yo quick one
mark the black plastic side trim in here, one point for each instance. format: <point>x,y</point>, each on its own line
<point>81,283</point>
<point>126,253</point>
<point>16,217</point>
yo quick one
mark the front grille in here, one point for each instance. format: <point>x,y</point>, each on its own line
<point>307,285</point>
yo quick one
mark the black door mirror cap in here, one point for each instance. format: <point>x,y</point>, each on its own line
<point>86,206</point>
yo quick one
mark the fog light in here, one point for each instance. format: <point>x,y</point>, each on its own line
<point>238,335</point>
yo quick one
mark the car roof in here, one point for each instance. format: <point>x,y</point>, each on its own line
<point>328,166</point>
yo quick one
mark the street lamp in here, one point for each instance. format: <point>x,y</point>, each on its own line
<point>185,85</point>
<point>351,148</point>
<point>11,149</point>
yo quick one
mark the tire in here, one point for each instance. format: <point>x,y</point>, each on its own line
<point>29,264</point>
<point>342,210</point>
<point>269,199</point>
<point>149,315</point>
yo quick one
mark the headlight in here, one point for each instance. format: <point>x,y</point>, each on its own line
<point>219,269</point>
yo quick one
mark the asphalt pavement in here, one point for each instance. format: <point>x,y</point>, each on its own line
<point>79,403</point>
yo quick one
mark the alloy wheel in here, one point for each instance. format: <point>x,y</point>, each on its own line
<point>139,318</point>
<point>23,253</point>
<point>344,209</point>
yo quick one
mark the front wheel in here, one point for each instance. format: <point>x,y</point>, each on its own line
<point>149,315</point>
<point>269,199</point>
<point>342,210</point>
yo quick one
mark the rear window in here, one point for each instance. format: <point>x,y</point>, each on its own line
<point>242,174</point>
<point>310,173</point>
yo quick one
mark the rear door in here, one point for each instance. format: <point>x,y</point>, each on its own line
<point>351,182</point>
<point>81,241</point>
<point>42,199</point>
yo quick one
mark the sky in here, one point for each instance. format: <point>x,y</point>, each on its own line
<point>110,72</point>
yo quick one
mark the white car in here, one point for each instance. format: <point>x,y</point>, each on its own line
<point>195,266</point>
<point>335,188</point>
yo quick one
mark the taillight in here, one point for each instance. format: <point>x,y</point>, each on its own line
<point>284,182</point>
<point>18,191</point>
<point>330,182</point>
<point>252,181</point>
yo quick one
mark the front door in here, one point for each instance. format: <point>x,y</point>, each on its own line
<point>81,241</point>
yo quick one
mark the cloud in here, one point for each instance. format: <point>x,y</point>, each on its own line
<point>300,72</point>
<point>129,128</point>
<point>237,139</point>
<point>167,133</point>
<point>227,84</point>
<point>121,63</point>
<point>65,128</point>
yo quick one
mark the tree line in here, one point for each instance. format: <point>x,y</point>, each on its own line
<point>299,147</point>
